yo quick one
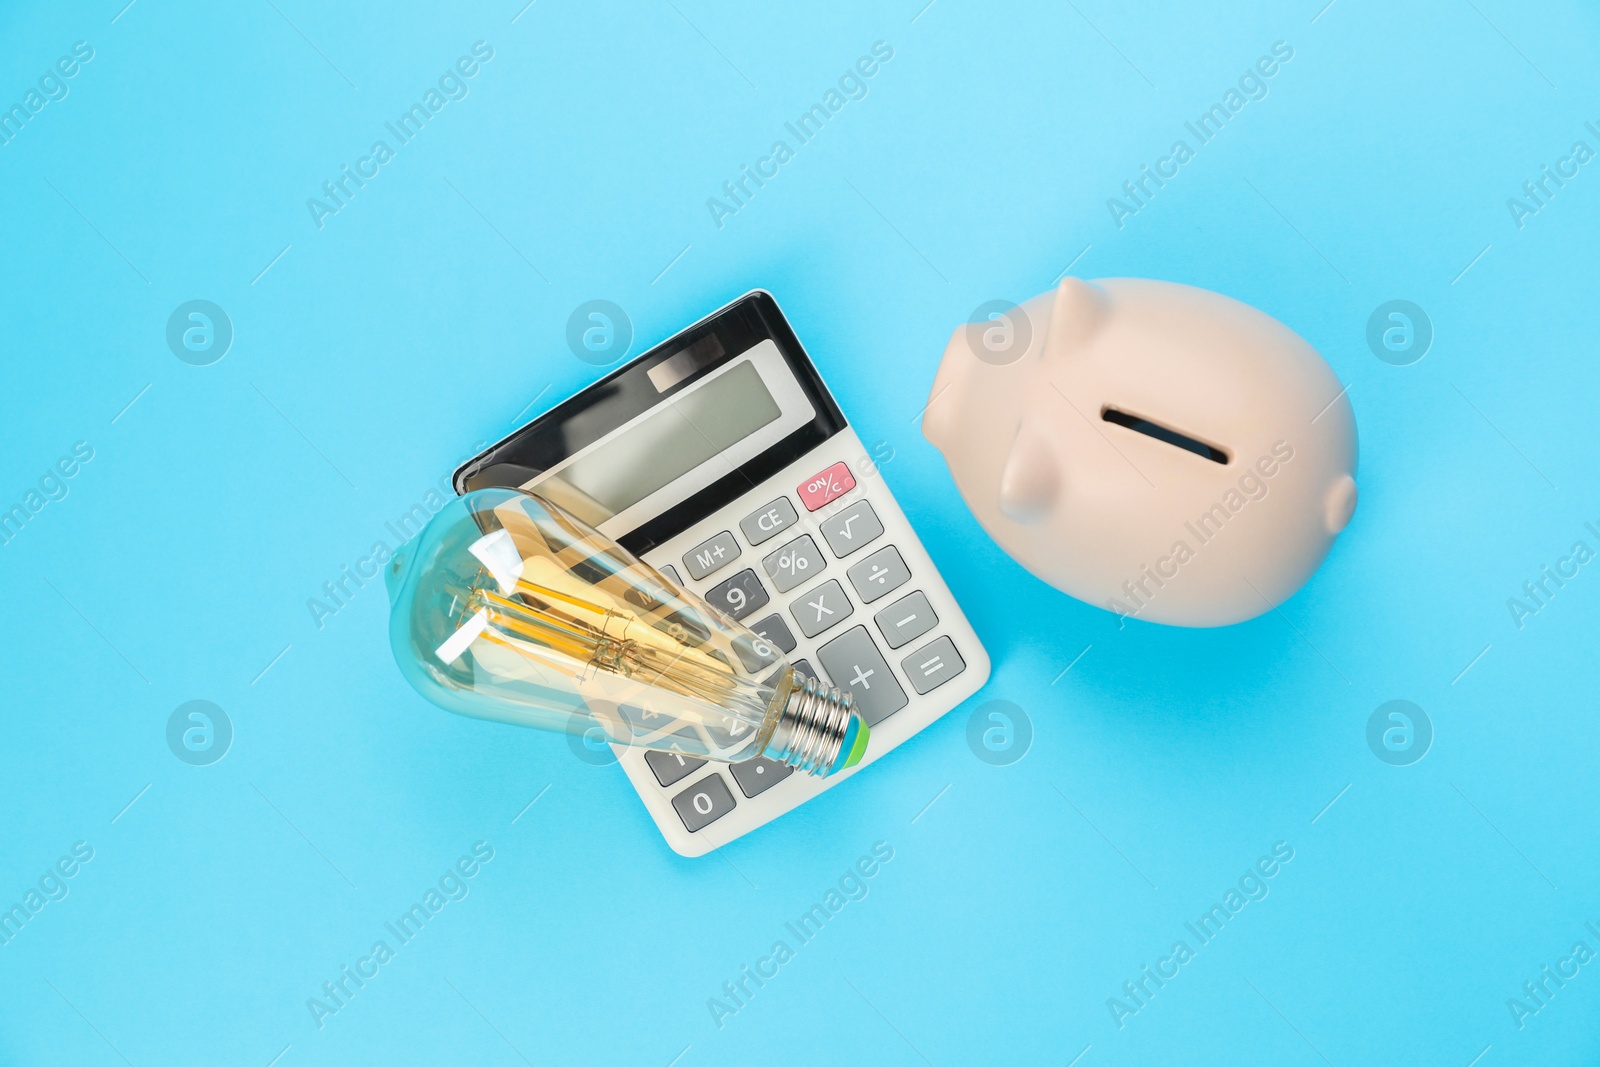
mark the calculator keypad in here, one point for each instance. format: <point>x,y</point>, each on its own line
<point>795,563</point>
<point>672,767</point>
<point>775,631</point>
<point>826,486</point>
<point>906,619</point>
<point>821,609</point>
<point>756,776</point>
<point>855,527</point>
<point>854,663</point>
<point>711,555</point>
<point>769,522</point>
<point>813,596</point>
<point>739,595</point>
<point>879,574</point>
<point>703,803</point>
<point>933,665</point>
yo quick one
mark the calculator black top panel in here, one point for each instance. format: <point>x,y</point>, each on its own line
<point>651,381</point>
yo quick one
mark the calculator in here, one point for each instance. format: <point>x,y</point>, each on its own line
<point>720,459</point>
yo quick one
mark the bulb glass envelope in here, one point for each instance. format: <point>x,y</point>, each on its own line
<point>508,608</point>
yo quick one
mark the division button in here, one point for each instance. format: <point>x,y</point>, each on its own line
<point>880,573</point>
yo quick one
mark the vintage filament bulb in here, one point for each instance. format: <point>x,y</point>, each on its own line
<point>506,607</point>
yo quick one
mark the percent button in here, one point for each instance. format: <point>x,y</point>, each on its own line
<point>794,563</point>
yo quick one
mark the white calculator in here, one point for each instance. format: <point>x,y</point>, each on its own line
<point>720,458</point>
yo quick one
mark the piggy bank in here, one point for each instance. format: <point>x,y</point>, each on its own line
<point>1163,452</point>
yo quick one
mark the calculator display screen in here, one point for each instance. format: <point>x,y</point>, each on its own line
<point>675,433</point>
<point>673,440</point>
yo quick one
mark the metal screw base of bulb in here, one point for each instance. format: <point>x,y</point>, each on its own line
<point>811,727</point>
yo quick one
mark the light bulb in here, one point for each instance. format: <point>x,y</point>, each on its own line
<point>506,607</point>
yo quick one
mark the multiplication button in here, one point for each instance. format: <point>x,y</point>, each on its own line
<point>818,609</point>
<point>711,555</point>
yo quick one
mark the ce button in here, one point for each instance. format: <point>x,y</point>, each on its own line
<point>770,521</point>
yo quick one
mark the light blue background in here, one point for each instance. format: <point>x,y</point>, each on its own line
<point>416,323</point>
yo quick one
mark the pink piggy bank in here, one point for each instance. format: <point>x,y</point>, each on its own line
<point>1160,451</point>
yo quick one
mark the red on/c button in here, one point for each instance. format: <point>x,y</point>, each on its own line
<point>828,485</point>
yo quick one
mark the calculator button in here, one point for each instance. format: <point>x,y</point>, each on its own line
<point>794,563</point>
<point>754,653</point>
<point>882,572</point>
<point>671,572</point>
<point>769,522</point>
<point>711,555</point>
<point>854,527</point>
<point>803,666</point>
<point>933,665</point>
<point>774,630</point>
<point>818,609</point>
<point>670,767</point>
<point>824,486</point>
<point>703,803</point>
<point>739,595</point>
<point>854,664</point>
<point>756,776</point>
<point>906,619</point>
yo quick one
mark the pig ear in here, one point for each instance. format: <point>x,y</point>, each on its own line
<point>1077,312</point>
<point>939,417</point>
<point>1339,503</point>
<point>1030,483</point>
